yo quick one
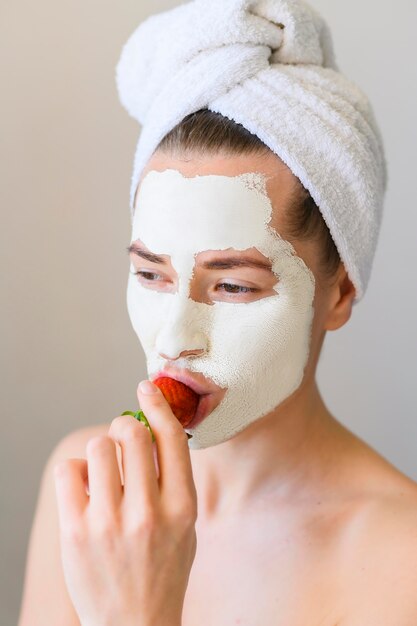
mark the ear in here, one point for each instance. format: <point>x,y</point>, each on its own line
<point>341,297</point>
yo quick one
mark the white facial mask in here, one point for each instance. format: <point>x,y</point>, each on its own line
<point>257,350</point>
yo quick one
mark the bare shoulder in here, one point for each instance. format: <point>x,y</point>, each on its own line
<point>387,518</point>
<point>45,599</point>
<point>379,546</point>
<point>74,443</point>
<point>387,499</point>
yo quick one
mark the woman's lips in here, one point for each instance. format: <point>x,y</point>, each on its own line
<point>206,405</point>
<point>210,393</point>
<point>196,381</point>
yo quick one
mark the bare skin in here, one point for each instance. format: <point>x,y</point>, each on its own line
<point>300,523</point>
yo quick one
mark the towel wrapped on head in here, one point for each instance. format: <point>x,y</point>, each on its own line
<point>269,66</point>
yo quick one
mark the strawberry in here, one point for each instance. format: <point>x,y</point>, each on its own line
<point>182,400</point>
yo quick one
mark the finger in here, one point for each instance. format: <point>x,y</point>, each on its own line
<point>140,479</point>
<point>70,478</point>
<point>103,474</point>
<point>176,478</point>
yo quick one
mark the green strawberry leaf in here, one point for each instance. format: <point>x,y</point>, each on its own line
<point>140,416</point>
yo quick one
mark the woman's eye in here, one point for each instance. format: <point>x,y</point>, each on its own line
<point>147,276</point>
<point>235,289</point>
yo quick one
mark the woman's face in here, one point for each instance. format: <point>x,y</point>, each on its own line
<point>215,291</point>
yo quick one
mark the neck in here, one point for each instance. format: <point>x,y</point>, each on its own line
<point>282,454</point>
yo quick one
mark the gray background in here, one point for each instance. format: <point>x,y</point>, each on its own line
<point>69,357</point>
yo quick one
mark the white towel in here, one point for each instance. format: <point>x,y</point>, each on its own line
<point>268,65</point>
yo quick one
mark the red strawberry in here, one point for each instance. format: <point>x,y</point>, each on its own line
<point>182,400</point>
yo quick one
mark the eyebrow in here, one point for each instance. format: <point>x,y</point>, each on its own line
<point>215,264</point>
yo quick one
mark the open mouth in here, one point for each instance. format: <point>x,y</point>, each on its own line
<point>190,400</point>
<point>181,398</point>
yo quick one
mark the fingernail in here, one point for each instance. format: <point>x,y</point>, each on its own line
<point>147,387</point>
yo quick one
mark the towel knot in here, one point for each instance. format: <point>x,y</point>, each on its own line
<point>213,33</point>
<point>297,34</point>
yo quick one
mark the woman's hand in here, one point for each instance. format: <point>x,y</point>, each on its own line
<point>127,551</point>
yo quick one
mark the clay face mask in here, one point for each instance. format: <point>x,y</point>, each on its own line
<point>257,349</point>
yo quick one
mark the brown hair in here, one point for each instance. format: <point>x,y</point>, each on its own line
<point>206,131</point>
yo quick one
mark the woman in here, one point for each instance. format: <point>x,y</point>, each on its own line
<point>272,512</point>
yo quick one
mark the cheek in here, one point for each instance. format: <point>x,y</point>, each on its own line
<point>269,333</point>
<point>245,328</point>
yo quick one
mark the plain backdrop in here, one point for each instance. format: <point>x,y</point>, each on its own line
<point>69,357</point>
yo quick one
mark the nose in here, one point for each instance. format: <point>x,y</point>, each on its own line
<point>180,335</point>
